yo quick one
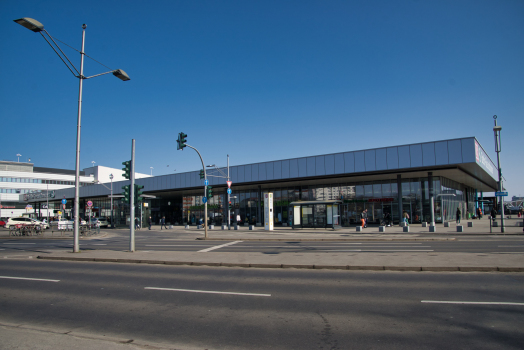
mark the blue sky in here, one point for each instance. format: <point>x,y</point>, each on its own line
<point>261,80</point>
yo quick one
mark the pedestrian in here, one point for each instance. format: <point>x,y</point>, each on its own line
<point>405,215</point>
<point>480,213</point>
<point>458,215</point>
<point>137,223</point>
<point>363,218</point>
<point>493,214</point>
<point>150,222</point>
<point>163,223</point>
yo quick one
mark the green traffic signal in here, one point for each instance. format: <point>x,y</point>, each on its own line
<point>138,193</point>
<point>127,169</point>
<point>202,176</point>
<point>181,142</point>
<point>209,192</point>
<point>126,194</point>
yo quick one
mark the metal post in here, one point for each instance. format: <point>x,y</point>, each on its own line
<point>498,147</point>
<point>76,234</point>
<point>228,199</point>
<point>132,200</point>
<point>47,201</point>
<point>399,195</point>
<point>205,189</point>
<point>112,225</point>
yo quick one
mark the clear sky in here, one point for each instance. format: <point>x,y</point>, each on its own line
<point>261,80</point>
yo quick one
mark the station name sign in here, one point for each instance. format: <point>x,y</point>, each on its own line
<point>38,195</point>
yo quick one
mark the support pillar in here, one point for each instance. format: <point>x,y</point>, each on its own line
<point>399,194</point>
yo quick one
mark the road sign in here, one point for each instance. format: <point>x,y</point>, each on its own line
<point>501,194</point>
<point>229,184</point>
<point>64,201</point>
<point>89,203</point>
<point>206,182</point>
<point>204,200</point>
<point>228,191</point>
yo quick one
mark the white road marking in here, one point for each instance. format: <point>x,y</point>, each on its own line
<point>472,302</point>
<point>325,246</point>
<point>98,244</point>
<point>510,246</point>
<point>29,279</point>
<point>208,291</point>
<point>218,247</point>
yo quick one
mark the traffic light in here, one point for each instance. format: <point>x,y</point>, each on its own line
<point>230,206</point>
<point>126,193</point>
<point>138,193</point>
<point>181,142</point>
<point>202,175</point>
<point>209,192</point>
<point>127,169</point>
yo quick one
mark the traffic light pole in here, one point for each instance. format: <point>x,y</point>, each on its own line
<point>132,200</point>
<point>228,199</point>
<point>205,188</point>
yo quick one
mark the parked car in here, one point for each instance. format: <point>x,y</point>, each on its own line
<point>2,223</point>
<point>102,221</point>
<point>24,221</point>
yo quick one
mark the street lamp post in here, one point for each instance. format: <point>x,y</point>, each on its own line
<point>38,27</point>
<point>151,170</point>
<point>111,178</point>
<point>18,155</point>
<point>496,130</point>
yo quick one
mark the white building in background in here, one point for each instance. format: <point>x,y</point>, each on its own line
<point>18,178</point>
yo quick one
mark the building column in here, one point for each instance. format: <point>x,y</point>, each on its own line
<point>399,194</point>
<point>431,199</point>
<point>259,215</point>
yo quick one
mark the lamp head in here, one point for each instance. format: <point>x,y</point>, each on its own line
<point>497,128</point>
<point>31,24</point>
<point>120,74</point>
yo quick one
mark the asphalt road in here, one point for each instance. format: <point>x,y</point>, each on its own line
<point>235,308</point>
<point>158,241</point>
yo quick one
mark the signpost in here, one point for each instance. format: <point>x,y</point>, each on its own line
<point>204,200</point>
<point>228,191</point>
<point>501,194</point>
<point>206,182</point>
<point>229,184</point>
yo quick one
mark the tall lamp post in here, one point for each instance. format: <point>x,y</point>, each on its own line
<point>111,178</point>
<point>496,130</point>
<point>38,27</point>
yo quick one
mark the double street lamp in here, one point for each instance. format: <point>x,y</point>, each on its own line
<point>498,146</point>
<point>38,27</point>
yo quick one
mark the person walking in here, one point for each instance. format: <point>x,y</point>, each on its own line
<point>458,215</point>
<point>149,222</point>
<point>480,213</point>
<point>163,223</point>
<point>405,215</point>
<point>137,223</point>
<point>493,214</point>
<point>363,217</point>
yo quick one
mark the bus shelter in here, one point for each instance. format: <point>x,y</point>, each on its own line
<point>316,214</point>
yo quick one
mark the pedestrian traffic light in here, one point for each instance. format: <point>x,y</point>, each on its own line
<point>126,193</point>
<point>127,169</point>
<point>202,175</point>
<point>230,206</point>
<point>138,193</point>
<point>181,142</point>
<point>209,192</point>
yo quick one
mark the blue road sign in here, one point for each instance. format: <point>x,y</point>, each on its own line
<point>64,201</point>
<point>206,182</point>
<point>204,200</point>
<point>228,191</point>
<point>501,194</point>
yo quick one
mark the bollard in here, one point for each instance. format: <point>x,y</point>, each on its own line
<point>459,228</point>
<point>425,224</point>
<point>236,227</point>
<point>359,228</point>
<point>251,227</point>
<point>470,224</point>
<point>432,228</point>
<point>382,229</point>
<point>446,224</point>
<point>224,227</point>
<point>187,227</point>
<point>405,229</point>
<point>211,227</point>
<point>199,227</point>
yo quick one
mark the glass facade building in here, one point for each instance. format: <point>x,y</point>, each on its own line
<point>386,180</point>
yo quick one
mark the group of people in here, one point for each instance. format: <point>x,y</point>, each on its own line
<point>150,223</point>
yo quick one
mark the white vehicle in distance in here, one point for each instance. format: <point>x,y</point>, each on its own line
<point>25,221</point>
<point>102,221</point>
<point>65,224</point>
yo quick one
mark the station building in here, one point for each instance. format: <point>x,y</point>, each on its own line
<point>382,180</point>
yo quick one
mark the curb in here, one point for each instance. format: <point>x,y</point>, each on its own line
<point>291,239</point>
<point>298,266</point>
